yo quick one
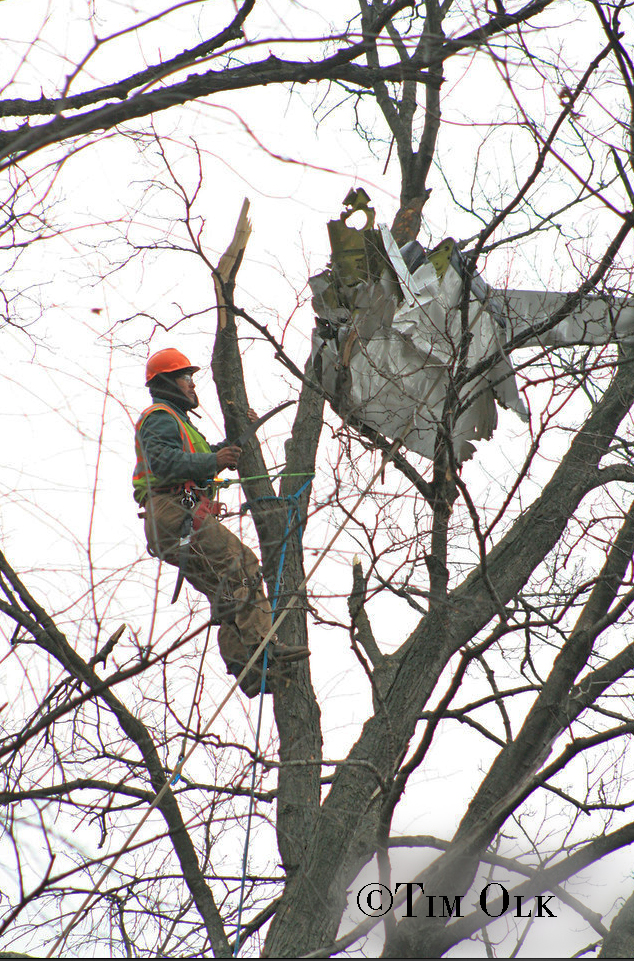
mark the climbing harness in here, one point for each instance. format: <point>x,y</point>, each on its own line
<point>200,501</point>
<point>185,540</point>
<point>196,508</point>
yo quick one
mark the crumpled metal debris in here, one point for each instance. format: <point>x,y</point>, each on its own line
<point>389,344</point>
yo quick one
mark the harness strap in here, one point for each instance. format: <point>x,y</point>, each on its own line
<point>192,522</point>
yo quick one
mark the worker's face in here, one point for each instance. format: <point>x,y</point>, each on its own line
<point>186,383</point>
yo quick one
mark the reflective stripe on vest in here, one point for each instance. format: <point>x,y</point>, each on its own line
<point>193,443</point>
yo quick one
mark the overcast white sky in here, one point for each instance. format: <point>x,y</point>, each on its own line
<point>70,392</point>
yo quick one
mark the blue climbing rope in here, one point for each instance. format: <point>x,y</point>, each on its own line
<point>293,511</point>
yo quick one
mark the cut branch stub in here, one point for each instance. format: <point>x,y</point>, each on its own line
<point>226,272</point>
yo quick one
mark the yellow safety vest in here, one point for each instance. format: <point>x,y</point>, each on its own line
<point>193,442</point>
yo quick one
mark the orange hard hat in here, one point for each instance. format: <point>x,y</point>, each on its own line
<point>166,362</point>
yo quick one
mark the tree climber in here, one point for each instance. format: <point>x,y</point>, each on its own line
<point>173,483</point>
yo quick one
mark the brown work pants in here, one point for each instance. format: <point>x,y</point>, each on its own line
<point>221,567</point>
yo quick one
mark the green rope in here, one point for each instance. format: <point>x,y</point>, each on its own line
<point>228,481</point>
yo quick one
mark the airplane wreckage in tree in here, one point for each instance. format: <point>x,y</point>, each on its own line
<point>409,340</point>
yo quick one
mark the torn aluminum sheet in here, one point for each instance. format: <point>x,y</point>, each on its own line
<point>386,345</point>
